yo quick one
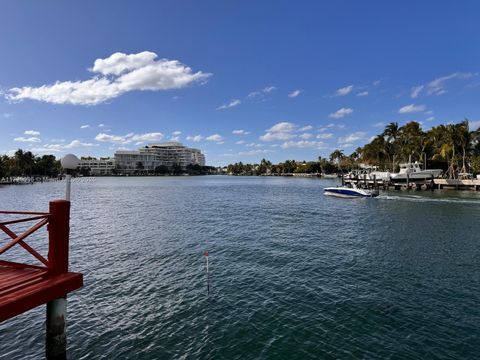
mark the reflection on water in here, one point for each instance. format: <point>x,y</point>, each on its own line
<point>294,274</point>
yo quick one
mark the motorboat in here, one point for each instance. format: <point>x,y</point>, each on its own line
<point>349,192</point>
<point>415,173</point>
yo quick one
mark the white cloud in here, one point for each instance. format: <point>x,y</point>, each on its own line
<point>438,85</point>
<point>363,93</point>
<point>240,142</point>
<point>118,74</point>
<point>86,126</point>
<point>215,137</point>
<point>233,103</point>
<point>240,132</point>
<point>351,138</point>
<point>294,93</point>
<point>379,124</point>
<point>305,136</point>
<point>324,136</point>
<point>280,131</point>
<point>174,138</point>
<point>341,113</point>
<point>431,118</point>
<point>101,125</point>
<point>195,138</point>
<point>254,145</point>
<point>31,132</point>
<point>306,128</point>
<point>176,133</point>
<point>344,91</point>
<point>415,91</point>
<point>54,148</point>
<point>412,108</point>
<point>254,152</point>
<point>261,93</point>
<point>474,125</point>
<point>303,144</point>
<point>31,139</point>
<point>129,138</point>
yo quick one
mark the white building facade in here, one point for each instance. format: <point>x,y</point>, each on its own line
<point>98,167</point>
<point>150,157</point>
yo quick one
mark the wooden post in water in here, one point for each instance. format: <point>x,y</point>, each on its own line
<point>408,181</point>
<point>343,181</point>
<point>365,181</point>
<point>374,181</point>
<point>58,234</point>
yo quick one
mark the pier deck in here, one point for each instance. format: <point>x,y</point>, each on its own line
<point>24,287</point>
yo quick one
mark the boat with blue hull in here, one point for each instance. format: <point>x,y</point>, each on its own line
<point>350,192</point>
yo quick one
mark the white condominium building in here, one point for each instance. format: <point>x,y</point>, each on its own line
<point>148,158</point>
<point>102,166</point>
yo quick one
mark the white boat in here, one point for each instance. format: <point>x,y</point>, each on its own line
<point>349,192</point>
<point>414,173</point>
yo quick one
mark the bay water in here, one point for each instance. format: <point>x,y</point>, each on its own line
<point>294,274</point>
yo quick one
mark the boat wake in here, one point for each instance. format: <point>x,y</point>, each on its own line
<point>419,198</point>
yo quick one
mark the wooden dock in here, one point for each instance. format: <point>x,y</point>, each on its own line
<point>26,286</point>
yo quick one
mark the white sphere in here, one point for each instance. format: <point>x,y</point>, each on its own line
<point>70,162</point>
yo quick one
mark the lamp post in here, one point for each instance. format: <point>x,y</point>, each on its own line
<point>69,163</point>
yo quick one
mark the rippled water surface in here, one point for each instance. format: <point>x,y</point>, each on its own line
<point>294,274</point>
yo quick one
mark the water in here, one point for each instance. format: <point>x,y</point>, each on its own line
<point>295,275</point>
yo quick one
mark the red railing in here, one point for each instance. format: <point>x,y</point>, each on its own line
<point>58,229</point>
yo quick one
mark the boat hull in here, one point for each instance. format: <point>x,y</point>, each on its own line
<point>348,193</point>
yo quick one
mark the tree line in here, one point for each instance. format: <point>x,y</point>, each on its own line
<point>455,148</point>
<point>24,163</point>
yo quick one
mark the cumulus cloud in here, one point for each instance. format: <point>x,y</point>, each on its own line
<point>344,91</point>
<point>31,139</point>
<point>129,138</point>
<point>351,138</point>
<point>240,142</point>
<point>195,138</point>
<point>324,136</point>
<point>240,132</point>
<point>176,133</point>
<point>363,93</point>
<point>255,152</point>
<point>341,113</point>
<point>31,132</point>
<point>115,75</point>
<point>280,131</point>
<point>303,144</point>
<point>294,93</point>
<point>412,108</point>
<point>86,126</point>
<point>306,128</point>
<point>233,103</point>
<point>305,136</point>
<point>215,137</point>
<point>54,148</point>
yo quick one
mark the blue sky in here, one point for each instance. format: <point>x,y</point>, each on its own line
<point>241,80</point>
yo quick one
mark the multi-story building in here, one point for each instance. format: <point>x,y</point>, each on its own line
<point>102,166</point>
<point>148,158</point>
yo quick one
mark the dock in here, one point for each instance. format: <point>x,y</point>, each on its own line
<point>423,184</point>
<point>25,286</point>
